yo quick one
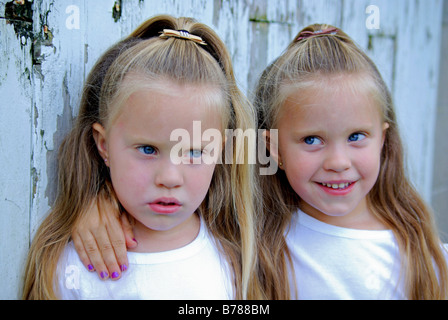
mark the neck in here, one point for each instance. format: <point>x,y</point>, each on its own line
<point>361,218</point>
<point>150,240</point>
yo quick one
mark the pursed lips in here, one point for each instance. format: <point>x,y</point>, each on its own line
<point>165,205</point>
<point>166,201</point>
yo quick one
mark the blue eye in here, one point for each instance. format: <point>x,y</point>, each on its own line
<point>195,153</point>
<point>356,137</point>
<point>312,140</point>
<point>147,150</point>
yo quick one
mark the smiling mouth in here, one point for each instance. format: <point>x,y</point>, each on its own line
<point>336,186</point>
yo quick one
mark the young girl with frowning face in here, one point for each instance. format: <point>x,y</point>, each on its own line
<point>196,238</point>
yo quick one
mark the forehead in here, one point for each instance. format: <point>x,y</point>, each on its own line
<point>160,101</point>
<point>152,116</point>
<point>330,96</point>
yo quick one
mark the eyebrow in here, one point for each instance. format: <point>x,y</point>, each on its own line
<point>319,131</point>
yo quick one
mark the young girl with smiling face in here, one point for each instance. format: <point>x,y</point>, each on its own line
<point>330,141</point>
<point>196,239</point>
<point>355,227</point>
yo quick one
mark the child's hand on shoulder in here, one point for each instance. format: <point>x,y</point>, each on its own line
<point>101,238</point>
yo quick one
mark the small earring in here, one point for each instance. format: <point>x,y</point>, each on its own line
<point>280,164</point>
<point>105,160</point>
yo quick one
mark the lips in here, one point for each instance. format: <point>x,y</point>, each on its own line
<point>337,187</point>
<point>165,205</point>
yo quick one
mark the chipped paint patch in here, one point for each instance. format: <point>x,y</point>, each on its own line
<point>116,11</point>
<point>20,15</point>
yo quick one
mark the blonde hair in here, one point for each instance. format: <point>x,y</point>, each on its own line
<point>228,209</point>
<point>393,199</point>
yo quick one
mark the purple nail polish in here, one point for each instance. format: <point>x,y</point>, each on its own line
<point>123,267</point>
<point>90,267</point>
<point>103,274</point>
<point>115,275</point>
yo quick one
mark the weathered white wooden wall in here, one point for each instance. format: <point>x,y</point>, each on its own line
<point>44,61</point>
<point>439,198</point>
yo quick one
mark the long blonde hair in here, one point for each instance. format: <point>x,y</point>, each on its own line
<point>228,209</point>
<point>393,199</point>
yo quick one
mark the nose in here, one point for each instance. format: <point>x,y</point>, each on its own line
<point>169,175</point>
<point>337,159</point>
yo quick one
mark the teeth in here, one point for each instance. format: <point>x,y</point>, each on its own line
<point>335,185</point>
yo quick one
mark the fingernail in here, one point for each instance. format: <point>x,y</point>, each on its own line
<point>103,274</point>
<point>115,275</point>
<point>91,268</point>
<point>123,267</point>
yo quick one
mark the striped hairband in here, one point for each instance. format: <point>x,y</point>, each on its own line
<point>181,34</point>
<point>309,34</point>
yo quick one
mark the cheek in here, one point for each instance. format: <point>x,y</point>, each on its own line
<point>299,165</point>
<point>299,170</point>
<point>368,164</point>
<point>199,180</point>
<point>204,177</point>
<point>129,178</point>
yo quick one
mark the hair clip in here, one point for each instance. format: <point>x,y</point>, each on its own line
<point>181,34</point>
<point>309,34</point>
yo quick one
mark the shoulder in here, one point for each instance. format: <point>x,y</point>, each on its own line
<point>69,261</point>
<point>73,281</point>
<point>67,273</point>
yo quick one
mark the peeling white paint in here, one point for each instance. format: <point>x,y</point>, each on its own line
<point>15,161</point>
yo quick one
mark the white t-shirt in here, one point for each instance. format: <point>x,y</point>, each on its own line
<point>195,271</point>
<point>333,263</point>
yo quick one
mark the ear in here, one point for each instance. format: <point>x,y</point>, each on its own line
<point>99,135</point>
<point>272,145</point>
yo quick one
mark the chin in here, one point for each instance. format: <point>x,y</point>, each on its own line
<point>330,211</point>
